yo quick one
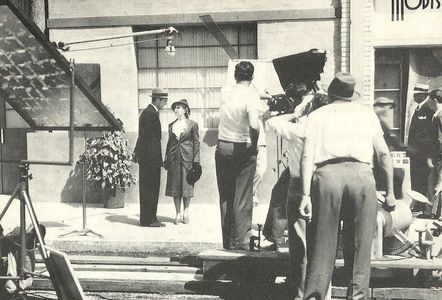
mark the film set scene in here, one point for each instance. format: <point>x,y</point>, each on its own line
<point>235,149</point>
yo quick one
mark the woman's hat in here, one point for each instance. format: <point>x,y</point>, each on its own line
<point>182,102</point>
<point>342,87</point>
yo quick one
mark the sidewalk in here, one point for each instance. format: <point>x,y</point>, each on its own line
<point>120,228</point>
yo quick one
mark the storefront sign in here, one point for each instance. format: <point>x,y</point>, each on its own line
<point>407,23</point>
<point>400,8</point>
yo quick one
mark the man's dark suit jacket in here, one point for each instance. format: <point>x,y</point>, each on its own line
<point>148,147</point>
<point>419,136</point>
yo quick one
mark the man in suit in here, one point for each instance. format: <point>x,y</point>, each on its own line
<point>435,178</point>
<point>419,139</point>
<point>149,157</point>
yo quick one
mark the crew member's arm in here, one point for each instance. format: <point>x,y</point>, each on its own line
<point>307,167</point>
<point>253,116</point>
<point>386,164</point>
<point>282,126</point>
<point>438,187</point>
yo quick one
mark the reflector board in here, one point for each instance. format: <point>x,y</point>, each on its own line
<point>35,79</point>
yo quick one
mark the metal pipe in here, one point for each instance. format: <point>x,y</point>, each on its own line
<point>71,113</point>
<point>148,32</point>
<point>23,189</point>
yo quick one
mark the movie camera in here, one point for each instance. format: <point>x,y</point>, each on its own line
<point>298,74</point>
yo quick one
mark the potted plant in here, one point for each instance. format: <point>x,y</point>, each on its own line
<point>108,162</point>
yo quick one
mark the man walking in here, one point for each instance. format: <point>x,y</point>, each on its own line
<point>339,142</point>
<point>235,159</point>
<point>149,157</point>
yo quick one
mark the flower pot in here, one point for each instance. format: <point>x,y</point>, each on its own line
<point>112,199</point>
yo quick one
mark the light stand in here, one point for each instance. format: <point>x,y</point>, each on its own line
<point>84,231</point>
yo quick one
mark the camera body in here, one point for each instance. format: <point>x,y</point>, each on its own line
<point>286,103</point>
<point>282,103</point>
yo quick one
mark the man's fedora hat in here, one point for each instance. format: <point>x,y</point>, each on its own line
<point>421,88</point>
<point>342,87</point>
<point>384,101</point>
<point>160,93</point>
<point>182,102</point>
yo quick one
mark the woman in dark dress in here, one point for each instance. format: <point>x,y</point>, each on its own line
<point>182,150</point>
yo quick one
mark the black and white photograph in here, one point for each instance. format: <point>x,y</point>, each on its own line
<point>220,150</point>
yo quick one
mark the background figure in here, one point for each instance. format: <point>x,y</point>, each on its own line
<point>435,178</point>
<point>182,151</point>
<point>276,220</point>
<point>419,139</point>
<point>148,155</point>
<point>340,179</point>
<point>235,160</point>
<point>383,108</point>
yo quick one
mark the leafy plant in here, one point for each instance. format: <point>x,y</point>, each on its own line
<point>108,162</point>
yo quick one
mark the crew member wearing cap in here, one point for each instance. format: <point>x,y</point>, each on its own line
<point>419,139</point>
<point>339,142</point>
<point>235,157</point>
<point>149,157</point>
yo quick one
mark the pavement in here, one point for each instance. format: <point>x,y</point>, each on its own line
<point>120,230</point>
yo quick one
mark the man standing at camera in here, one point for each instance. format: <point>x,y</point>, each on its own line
<point>235,157</point>
<point>149,157</point>
<point>336,169</point>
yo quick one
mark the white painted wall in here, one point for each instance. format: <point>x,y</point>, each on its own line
<point>278,39</point>
<point>106,8</point>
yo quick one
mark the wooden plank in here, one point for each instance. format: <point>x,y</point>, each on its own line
<point>129,268</point>
<point>386,262</point>
<point>193,18</point>
<point>407,293</point>
<point>121,260</point>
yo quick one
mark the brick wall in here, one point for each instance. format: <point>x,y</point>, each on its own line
<point>361,47</point>
<point>345,36</point>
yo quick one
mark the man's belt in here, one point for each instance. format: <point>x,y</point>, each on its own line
<point>336,161</point>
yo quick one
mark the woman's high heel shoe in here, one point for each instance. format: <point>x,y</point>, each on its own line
<point>186,219</point>
<point>177,220</point>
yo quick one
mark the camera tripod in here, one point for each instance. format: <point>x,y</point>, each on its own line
<point>22,192</point>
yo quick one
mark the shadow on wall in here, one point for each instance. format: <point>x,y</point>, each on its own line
<point>72,191</point>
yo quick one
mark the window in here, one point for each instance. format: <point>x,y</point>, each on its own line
<point>391,81</point>
<point>197,71</point>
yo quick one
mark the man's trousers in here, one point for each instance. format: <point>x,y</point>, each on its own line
<point>276,220</point>
<point>235,168</point>
<point>344,190</point>
<point>149,185</point>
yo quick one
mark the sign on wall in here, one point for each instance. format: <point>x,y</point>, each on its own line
<point>407,22</point>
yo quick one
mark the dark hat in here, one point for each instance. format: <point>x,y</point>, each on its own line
<point>421,88</point>
<point>342,87</point>
<point>384,101</point>
<point>160,92</point>
<point>183,102</point>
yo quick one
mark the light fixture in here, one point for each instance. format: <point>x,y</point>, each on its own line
<point>170,49</point>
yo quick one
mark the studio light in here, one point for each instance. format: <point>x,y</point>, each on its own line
<point>170,49</point>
